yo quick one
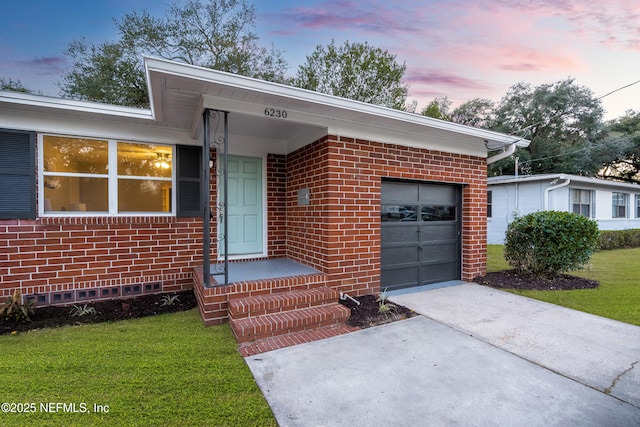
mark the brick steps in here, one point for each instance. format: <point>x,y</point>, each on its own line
<point>266,316</point>
<point>278,307</point>
<point>295,338</point>
<point>280,302</point>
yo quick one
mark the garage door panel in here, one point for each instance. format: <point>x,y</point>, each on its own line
<point>399,277</point>
<point>437,193</point>
<point>445,231</point>
<point>399,255</point>
<point>420,230</point>
<point>399,191</point>
<point>392,235</point>
<point>438,273</point>
<point>440,253</point>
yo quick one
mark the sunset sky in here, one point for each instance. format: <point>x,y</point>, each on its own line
<point>462,49</point>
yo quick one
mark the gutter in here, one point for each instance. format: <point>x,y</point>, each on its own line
<point>508,151</point>
<point>554,187</point>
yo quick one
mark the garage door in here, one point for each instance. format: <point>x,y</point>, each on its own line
<point>420,234</point>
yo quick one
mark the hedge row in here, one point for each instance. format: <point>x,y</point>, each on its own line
<point>619,239</point>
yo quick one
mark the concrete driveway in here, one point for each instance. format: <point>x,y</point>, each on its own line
<point>476,357</point>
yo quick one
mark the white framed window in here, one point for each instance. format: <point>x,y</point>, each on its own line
<point>582,202</point>
<point>619,205</point>
<point>88,176</point>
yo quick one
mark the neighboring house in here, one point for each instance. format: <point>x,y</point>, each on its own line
<point>102,201</point>
<point>614,205</point>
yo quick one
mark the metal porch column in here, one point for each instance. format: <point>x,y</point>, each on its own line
<point>220,143</point>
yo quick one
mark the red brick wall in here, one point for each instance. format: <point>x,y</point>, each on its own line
<point>68,254</point>
<point>339,232</point>
<point>277,205</point>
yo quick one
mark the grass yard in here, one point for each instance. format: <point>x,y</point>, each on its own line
<point>617,297</point>
<point>166,370</point>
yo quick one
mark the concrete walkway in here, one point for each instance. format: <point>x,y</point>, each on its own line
<point>595,351</point>
<point>477,357</point>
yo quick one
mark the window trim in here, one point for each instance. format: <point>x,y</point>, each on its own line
<point>112,177</point>
<point>591,203</point>
<point>625,204</point>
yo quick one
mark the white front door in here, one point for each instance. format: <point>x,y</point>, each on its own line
<point>245,210</point>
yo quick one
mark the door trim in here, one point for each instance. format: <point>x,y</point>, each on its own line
<point>265,231</point>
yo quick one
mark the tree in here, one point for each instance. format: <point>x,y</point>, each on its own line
<point>477,113</point>
<point>105,73</point>
<point>564,123</point>
<point>438,109</point>
<point>624,133</point>
<point>218,34</point>
<point>356,71</point>
<point>13,85</point>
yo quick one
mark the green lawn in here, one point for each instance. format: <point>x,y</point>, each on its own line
<point>166,370</point>
<point>617,297</point>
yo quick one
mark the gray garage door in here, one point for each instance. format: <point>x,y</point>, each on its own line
<point>420,234</point>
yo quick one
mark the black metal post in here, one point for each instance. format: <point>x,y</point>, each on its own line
<point>206,208</point>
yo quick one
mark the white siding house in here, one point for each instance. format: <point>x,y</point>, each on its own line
<point>614,205</point>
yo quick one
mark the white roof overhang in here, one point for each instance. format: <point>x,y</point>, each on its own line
<point>576,180</point>
<point>180,94</point>
<point>88,119</point>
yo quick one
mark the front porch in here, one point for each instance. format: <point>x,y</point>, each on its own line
<point>260,270</point>
<point>271,298</point>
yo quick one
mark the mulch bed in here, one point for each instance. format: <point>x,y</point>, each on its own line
<point>368,312</point>
<point>511,279</point>
<point>362,316</point>
<point>106,311</point>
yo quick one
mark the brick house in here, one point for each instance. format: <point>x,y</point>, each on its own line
<point>307,195</point>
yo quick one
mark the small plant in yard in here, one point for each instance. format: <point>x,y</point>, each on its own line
<point>383,305</point>
<point>15,309</point>
<point>82,310</point>
<point>170,300</point>
<point>548,243</point>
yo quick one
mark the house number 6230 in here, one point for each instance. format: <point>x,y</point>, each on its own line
<point>272,112</point>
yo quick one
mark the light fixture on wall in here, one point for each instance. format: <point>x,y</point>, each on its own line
<point>163,161</point>
<point>50,182</point>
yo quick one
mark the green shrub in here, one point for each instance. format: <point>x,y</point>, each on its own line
<point>550,242</point>
<point>14,309</point>
<point>619,239</point>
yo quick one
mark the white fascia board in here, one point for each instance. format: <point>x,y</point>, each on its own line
<point>298,94</point>
<point>62,104</point>
<point>103,128</point>
<point>497,180</point>
<point>336,126</point>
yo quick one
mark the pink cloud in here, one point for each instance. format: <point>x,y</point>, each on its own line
<point>442,78</point>
<point>376,17</point>
<point>53,65</point>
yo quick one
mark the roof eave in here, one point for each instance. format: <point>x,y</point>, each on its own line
<point>53,103</point>
<point>247,83</point>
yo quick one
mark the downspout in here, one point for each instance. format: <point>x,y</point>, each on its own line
<point>554,187</point>
<point>509,151</point>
